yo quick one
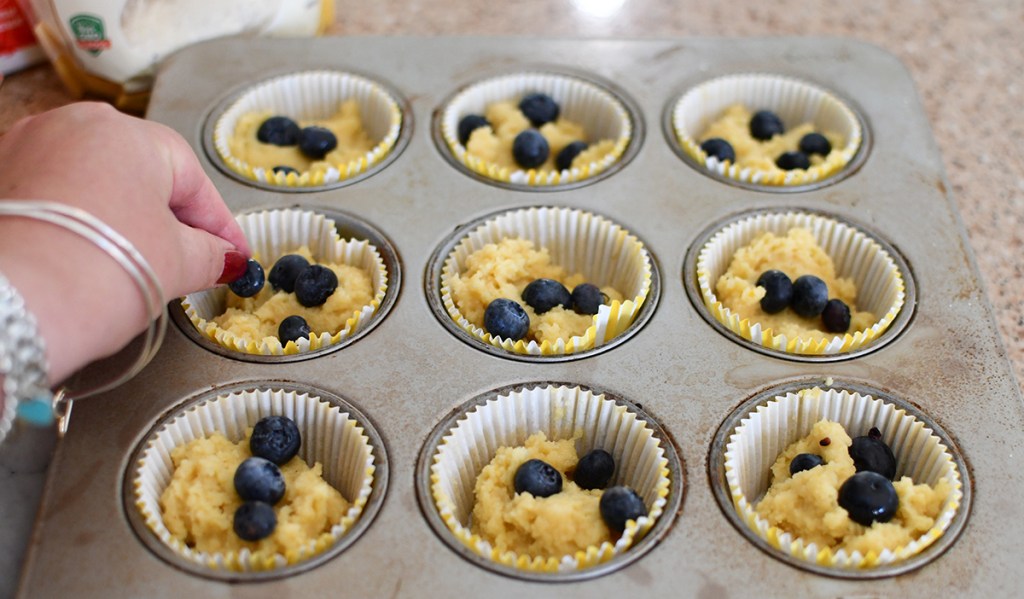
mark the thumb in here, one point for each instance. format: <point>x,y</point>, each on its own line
<point>204,259</point>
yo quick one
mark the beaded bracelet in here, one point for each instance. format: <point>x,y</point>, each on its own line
<point>22,352</point>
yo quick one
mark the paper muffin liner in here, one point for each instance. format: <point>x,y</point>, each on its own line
<point>273,234</point>
<point>793,100</point>
<point>578,241</point>
<point>313,95</point>
<point>560,412</point>
<point>766,432</point>
<point>601,115</point>
<point>880,285</point>
<point>329,436</point>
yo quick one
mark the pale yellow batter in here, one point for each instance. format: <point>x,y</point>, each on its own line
<point>734,127</point>
<point>561,524</point>
<point>503,270</point>
<point>259,317</point>
<point>796,254</point>
<point>199,503</point>
<point>494,144</point>
<point>806,504</point>
<point>346,124</point>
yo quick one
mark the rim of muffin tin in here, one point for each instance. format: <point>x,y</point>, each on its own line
<point>658,531</point>
<point>851,167</point>
<point>720,487</point>
<point>348,226</point>
<point>432,287</point>
<point>898,325</point>
<point>373,504</point>
<point>619,94</point>
<point>221,106</point>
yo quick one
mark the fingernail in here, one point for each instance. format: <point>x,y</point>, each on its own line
<point>234,267</point>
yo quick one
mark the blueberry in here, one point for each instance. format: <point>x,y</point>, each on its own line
<point>282,275</point>
<point>619,505</point>
<point>314,285</point>
<point>293,328</point>
<point>544,294</point>
<point>719,148</point>
<point>778,291</point>
<point>278,130</point>
<point>285,170</point>
<point>793,160</point>
<point>539,108</point>
<point>257,479</point>
<point>868,497</point>
<point>255,520</point>
<point>537,478</point>
<point>871,454</point>
<point>594,470</point>
<point>469,124</point>
<point>805,461</point>
<point>836,316</point>
<point>315,142</point>
<point>530,149</point>
<point>810,294</point>
<point>765,124</point>
<point>250,283</point>
<point>275,438</point>
<point>587,298</point>
<point>563,161</point>
<point>505,318</point>
<point>815,143</point>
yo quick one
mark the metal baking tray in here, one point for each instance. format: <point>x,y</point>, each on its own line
<point>410,372</point>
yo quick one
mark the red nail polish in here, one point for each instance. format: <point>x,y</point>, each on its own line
<point>234,267</point>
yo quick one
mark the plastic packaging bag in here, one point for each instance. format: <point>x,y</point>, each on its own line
<point>111,47</point>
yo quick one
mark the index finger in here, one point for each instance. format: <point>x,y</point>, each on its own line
<point>194,199</point>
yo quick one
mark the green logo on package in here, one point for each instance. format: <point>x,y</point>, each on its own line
<point>89,33</point>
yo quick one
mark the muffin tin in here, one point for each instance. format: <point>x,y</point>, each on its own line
<point>409,373</point>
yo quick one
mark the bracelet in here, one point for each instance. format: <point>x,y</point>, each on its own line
<point>22,356</point>
<point>37,404</point>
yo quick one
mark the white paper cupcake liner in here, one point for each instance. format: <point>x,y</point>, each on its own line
<point>601,115</point>
<point>273,234</point>
<point>578,241</point>
<point>329,436</point>
<point>793,100</point>
<point>880,285</point>
<point>560,413</point>
<point>313,95</point>
<point>765,433</point>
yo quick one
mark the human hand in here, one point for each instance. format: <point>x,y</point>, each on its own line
<point>140,178</point>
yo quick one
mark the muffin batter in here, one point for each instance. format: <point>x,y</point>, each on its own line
<point>561,524</point>
<point>346,124</point>
<point>503,270</point>
<point>199,503</point>
<point>734,127</point>
<point>494,144</point>
<point>796,254</point>
<point>258,317</point>
<point>806,504</point>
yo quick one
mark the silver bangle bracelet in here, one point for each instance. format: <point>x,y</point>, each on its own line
<point>27,396</point>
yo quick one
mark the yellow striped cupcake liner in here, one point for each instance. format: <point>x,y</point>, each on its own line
<point>765,433</point>
<point>313,95</point>
<point>880,286</point>
<point>793,100</point>
<point>329,436</point>
<point>561,413</point>
<point>600,113</point>
<point>272,234</point>
<point>578,241</point>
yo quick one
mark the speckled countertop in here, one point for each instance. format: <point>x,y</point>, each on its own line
<point>966,59</point>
